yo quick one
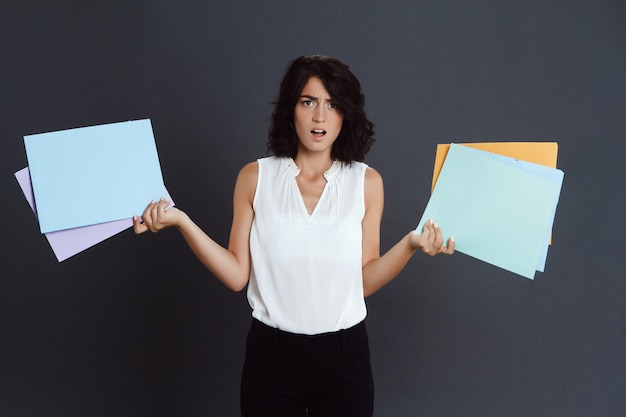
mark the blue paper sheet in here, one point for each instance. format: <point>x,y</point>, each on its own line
<point>95,174</point>
<point>500,210</point>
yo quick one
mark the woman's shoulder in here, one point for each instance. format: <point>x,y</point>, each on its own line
<point>363,170</point>
<point>374,189</point>
<point>370,173</point>
<point>372,177</point>
<point>269,160</point>
<point>249,172</point>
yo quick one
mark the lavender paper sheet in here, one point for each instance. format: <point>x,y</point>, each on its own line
<point>69,242</point>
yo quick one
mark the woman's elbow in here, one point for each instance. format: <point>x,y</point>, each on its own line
<point>237,285</point>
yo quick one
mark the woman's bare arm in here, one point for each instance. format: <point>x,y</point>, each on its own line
<point>230,265</point>
<point>380,270</point>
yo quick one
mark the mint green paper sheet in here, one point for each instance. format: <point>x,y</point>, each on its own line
<point>546,172</point>
<point>499,210</point>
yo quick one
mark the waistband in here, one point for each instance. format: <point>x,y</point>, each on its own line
<point>263,329</point>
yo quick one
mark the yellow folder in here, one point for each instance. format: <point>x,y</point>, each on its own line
<point>543,153</point>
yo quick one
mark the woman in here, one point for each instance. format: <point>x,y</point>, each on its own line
<point>305,240</point>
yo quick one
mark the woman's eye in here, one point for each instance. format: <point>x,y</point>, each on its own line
<point>307,103</point>
<point>332,105</point>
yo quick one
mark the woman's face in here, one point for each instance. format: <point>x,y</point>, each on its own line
<point>316,118</point>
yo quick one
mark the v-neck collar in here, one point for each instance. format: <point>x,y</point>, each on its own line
<point>329,174</point>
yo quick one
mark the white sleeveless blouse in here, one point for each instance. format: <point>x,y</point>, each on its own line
<point>306,274</point>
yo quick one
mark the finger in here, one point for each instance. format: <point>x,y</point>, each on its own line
<point>138,226</point>
<point>427,238</point>
<point>432,235</point>
<point>435,240</point>
<point>450,247</point>
<point>148,216</point>
<point>157,213</point>
<point>162,206</point>
<point>438,241</point>
<point>425,235</point>
<point>426,228</point>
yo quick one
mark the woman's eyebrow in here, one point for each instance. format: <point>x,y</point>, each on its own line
<point>313,98</point>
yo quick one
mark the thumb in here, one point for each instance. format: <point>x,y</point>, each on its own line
<point>138,226</point>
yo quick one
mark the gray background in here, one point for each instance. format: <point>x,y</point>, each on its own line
<point>136,326</point>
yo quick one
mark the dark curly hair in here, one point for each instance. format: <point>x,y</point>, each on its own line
<point>357,132</point>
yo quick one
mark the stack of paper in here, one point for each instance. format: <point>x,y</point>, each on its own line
<point>499,207</point>
<point>86,184</point>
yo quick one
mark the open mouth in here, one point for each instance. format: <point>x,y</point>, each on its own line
<point>318,133</point>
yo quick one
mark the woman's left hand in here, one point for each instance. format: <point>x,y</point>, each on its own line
<point>430,241</point>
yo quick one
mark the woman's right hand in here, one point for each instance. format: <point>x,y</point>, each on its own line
<point>157,216</point>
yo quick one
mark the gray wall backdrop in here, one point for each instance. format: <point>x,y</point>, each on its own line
<point>136,326</point>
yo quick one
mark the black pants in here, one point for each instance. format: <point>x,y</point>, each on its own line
<point>293,375</point>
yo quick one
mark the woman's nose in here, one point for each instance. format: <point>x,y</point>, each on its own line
<point>318,114</point>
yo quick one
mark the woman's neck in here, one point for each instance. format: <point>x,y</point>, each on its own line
<point>313,165</point>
